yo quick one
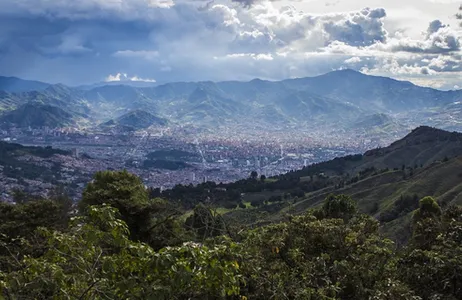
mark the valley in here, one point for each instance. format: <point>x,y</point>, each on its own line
<point>385,181</point>
<point>230,150</point>
<point>229,128</point>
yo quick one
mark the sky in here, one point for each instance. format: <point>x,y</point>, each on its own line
<point>89,41</point>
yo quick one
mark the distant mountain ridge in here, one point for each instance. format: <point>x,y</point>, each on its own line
<point>341,99</point>
<point>17,85</point>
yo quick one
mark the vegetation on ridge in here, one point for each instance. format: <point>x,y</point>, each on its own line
<point>122,244</point>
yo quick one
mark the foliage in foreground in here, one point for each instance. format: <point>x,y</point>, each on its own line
<point>330,253</point>
<point>95,259</point>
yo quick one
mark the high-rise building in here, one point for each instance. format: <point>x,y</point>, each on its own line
<point>235,163</point>
<point>75,152</point>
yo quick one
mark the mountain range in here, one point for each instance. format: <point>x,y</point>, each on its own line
<point>17,85</point>
<point>344,98</point>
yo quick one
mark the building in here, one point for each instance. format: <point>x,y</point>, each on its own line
<point>75,152</point>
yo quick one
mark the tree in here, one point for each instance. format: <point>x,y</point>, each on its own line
<point>147,219</point>
<point>20,196</point>
<point>298,192</point>
<point>123,191</point>
<point>254,175</point>
<point>431,264</point>
<point>60,195</point>
<point>262,178</point>
<point>257,201</point>
<point>339,207</point>
<point>116,188</point>
<point>428,208</point>
<point>205,222</point>
<point>18,229</point>
<point>95,259</point>
<point>426,223</point>
<point>310,258</point>
<point>21,220</point>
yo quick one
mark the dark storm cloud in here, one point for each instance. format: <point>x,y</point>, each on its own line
<point>84,46</point>
<point>85,41</point>
<point>434,27</point>
<point>361,29</point>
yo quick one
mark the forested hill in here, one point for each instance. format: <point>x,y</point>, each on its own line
<point>423,146</point>
<point>120,244</point>
<point>352,231</point>
<point>424,163</point>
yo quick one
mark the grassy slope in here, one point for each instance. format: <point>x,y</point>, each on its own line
<point>377,194</point>
<point>442,180</point>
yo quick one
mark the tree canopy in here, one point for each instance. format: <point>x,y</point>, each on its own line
<point>124,245</point>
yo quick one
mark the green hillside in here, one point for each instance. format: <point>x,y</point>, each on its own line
<point>422,146</point>
<point>122,243</point>
<point>386,183</point>
<point>37,115</point>
<point>352,228</point>
<point>135,120</point>
<point>379,195</point>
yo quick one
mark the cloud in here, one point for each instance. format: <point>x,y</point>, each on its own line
<point>79,42</point>
<point>362,28</point>
<point>124,77</point>
<point>249,3</point>
<point>353,60</point>
<point>86,9</point>
<point>434,27</point>
<point>246,3</point>
<point>439,39</point>
<point>144,54</point>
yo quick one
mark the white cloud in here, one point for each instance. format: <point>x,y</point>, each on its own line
<point>438,40</point>
<point>353,60</point>
<point>186,40</point>
<point>125,77</point>
<point>254,56</point>
<point>116,77</point>
<point>136,78</point>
